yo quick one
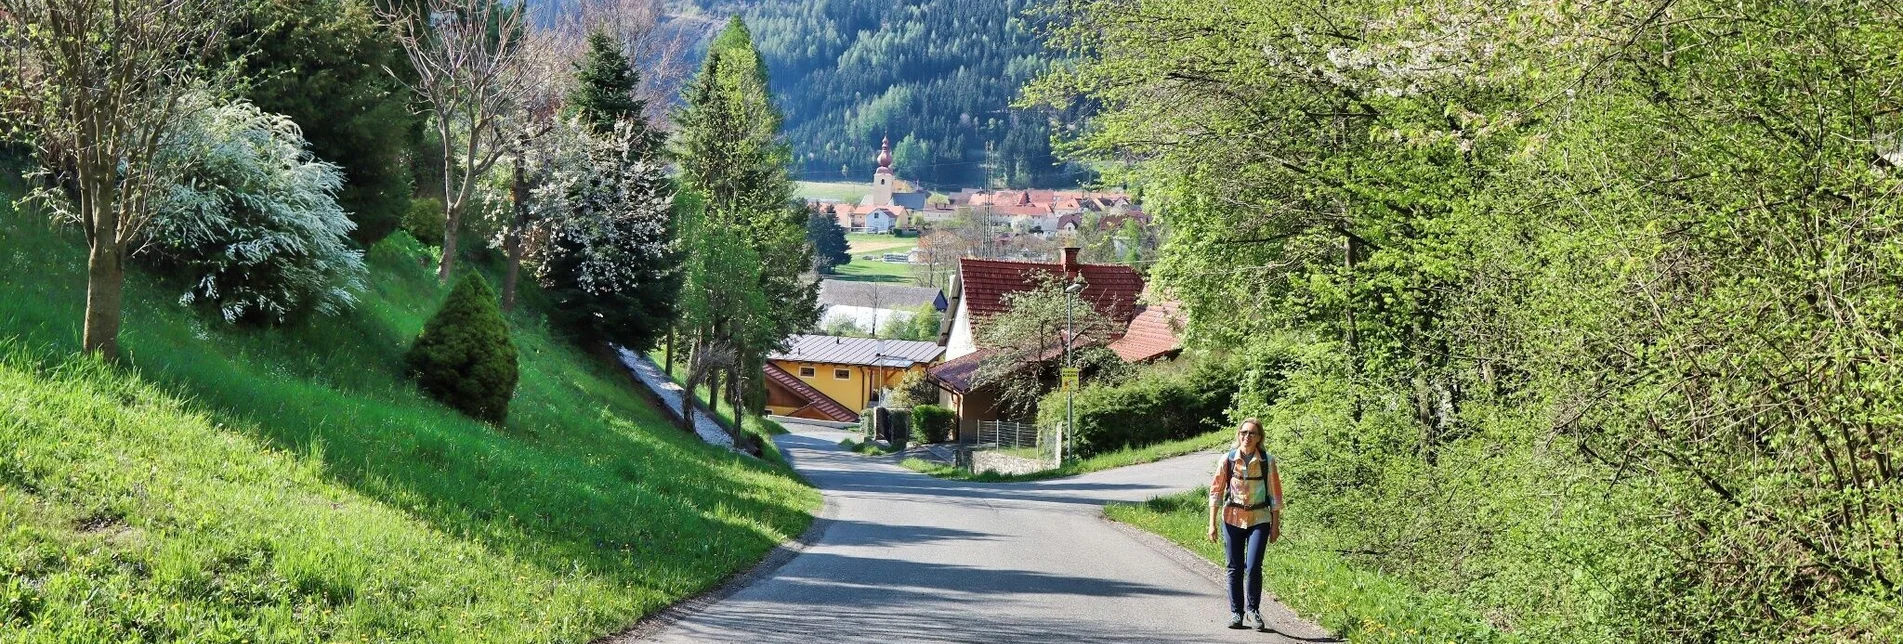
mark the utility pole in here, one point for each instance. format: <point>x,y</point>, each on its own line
<point>1070,389</point>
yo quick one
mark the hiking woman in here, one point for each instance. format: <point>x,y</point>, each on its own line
<point>1245,504</point>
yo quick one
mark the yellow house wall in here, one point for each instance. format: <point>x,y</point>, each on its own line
<point>853,392</point>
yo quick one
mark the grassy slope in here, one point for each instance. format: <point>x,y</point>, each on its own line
<point>860,270</point>
<point>289,485</point>
<point>1355,604</point>
<point>1119,458</point>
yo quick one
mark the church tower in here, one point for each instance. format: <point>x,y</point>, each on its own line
<point>882,178</point>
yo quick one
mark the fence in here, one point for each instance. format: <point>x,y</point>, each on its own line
<point>1018,440</point>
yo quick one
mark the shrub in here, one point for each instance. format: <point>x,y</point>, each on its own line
<point>424,221</point>
<point>253,224</point>
<point>932,423</point>
<point>915,391</point>
<point>465,358</point>
<point>1161,403</point>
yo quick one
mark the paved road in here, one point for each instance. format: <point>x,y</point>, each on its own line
<point>909,558</point>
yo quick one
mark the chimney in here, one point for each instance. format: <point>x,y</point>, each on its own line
<point>1070,260</point>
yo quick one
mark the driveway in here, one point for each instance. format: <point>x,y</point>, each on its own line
<point>905,557</point>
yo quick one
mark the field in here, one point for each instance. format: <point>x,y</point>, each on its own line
<point>233,484</point>
<point>840,190</point>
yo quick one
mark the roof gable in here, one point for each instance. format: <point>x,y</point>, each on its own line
<point>1111,288</point>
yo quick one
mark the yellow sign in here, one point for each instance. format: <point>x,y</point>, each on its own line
<point>1070,377</point>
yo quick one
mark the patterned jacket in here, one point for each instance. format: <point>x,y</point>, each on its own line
<point>1249,489</point>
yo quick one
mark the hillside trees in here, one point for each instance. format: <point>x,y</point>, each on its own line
<point>466,58</point>
<point>1548,283</point>
<point>937,76</point>
<point>322,63</point>
<point>99,87</point>
<point>731,155</point>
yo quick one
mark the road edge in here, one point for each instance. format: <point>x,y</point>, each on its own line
<point>655,623</point>
<point>1286,621</point>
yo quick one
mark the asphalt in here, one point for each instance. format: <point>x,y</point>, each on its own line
<point>898,556</point>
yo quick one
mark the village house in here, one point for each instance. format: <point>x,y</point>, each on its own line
<point>874,306</point>
<point>825,377</point>
<point>1145,332</point>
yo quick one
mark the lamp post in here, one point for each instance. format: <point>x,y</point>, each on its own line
<point>1070,390</point>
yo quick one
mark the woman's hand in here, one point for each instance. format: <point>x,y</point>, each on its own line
<point>1212,533</point>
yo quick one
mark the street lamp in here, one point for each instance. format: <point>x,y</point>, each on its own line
<point>1070,390</point>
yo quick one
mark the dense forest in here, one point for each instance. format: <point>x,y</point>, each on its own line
<point>938,77</point>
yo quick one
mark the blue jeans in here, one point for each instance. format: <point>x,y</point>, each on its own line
<point>1244,549</point>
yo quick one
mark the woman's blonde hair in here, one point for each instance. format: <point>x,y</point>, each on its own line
<point>1249,421</point>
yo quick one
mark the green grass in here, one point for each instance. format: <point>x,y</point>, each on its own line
<point>841,190</point>
<point>871,448</point>
<point>868,243</point>
<point>860,270</point>
<point>1128,456</point>
<point>1356,604</point>
<point>289,485</point>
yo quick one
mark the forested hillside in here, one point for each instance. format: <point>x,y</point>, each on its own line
<point>937,76</point>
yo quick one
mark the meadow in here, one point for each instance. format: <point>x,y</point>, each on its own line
<point>238,484</point>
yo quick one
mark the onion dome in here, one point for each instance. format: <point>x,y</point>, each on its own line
<point>885,155</point>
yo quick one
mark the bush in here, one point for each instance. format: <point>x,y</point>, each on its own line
<point>932,423</point>
<point>253,224</point>
<point>1161,403</point>
<point>915,391</point>
<point>424,221</point>
<point>465,358</point>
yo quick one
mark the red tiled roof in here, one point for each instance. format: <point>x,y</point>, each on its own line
<point>957,374</point>
<point>815,400</point>
<point>1113,289</point>
<point>1152,333</point>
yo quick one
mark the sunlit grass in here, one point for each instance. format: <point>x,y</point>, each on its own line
<point>265,485</point>
<point>1301,571</point>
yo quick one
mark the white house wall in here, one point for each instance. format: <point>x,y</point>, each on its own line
<point>961,342</point>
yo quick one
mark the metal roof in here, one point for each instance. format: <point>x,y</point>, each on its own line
<point>868,352</point>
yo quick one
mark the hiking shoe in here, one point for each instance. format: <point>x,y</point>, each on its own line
<point>1260,624</point>
<point>1235,621</point>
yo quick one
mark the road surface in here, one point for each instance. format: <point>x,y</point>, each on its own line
<point>905,557</point>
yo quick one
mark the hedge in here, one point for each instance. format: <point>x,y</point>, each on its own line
<point>1161,403</point>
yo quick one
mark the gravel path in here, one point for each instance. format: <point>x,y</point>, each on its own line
<point>650,374</point>
<point>903,557</point>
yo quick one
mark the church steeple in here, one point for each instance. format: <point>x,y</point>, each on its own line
<point>882,178</point>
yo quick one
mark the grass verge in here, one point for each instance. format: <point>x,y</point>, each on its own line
<point>1119,458</point>
<point>1355,604</point>
<point>290,485</point>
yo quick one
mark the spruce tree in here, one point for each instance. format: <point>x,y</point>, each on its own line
<point>464,357</point>
<point>829,242</point>
<point>604,87</point>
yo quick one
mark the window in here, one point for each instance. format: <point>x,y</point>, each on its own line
<point>806,372</point>
<point>842,374</point>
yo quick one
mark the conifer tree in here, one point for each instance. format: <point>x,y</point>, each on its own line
<point>604,86</point>
<point>464,357</point>
<point>731,153</point>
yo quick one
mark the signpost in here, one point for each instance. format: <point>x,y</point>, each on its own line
<point>1070,378</point>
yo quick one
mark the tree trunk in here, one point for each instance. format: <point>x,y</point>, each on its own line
<point>669,357</point>
<point>687,396</point>
<point>518,193</point>
<point>448,265</point>
<point>105,290</point>
<point>713,394</point>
